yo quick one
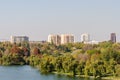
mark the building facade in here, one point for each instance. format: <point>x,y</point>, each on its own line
<point>85,37</point>
<point>55,39</point>
<point>61,39</point>
<point>113,37</point>
<point>67,38</point>
<point>92,42</point>
<point>19,39</point>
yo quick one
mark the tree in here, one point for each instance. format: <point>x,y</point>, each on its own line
<point>36,51</point>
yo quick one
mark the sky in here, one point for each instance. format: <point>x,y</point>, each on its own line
<point>39,18</point>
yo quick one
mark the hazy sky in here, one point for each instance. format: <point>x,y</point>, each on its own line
<point>38,18</point>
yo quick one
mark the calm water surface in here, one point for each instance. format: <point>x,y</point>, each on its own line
<point>29,73</point>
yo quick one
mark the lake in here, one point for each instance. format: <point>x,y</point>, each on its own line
<point>30,73</point>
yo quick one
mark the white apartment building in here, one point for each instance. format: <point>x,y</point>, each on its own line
<point>85,37</point>
<point>55,39</point>
<point>92,42</point>
<point>67,38</point>
<point>19,39</point>
<point>61,39</point>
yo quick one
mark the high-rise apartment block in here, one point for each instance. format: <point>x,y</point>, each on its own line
<point>19,39</point>
<point>113,37</point>
<point>61,39</point>
<point>85,37</point>
<point>55,39</point>
<point>67,38</point>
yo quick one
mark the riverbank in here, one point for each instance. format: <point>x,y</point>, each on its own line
<point>91,77</point>
<point>65,75</point>
<point>71,75</point>
<point>111,78</point>
<point>27,72</point>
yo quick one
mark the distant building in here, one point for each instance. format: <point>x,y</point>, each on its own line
<point>92,42</point>
<point>19,39</point>
<point>61,39</point>
<point>37,42</point>
<point>67,38</point>
<point>85,37</point>
<point>113,37</point>
<point>55,39</point>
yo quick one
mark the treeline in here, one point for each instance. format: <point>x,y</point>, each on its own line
<point>74,58</point>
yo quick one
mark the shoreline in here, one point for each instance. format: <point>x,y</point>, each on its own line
<point>70,75</point>
<point>91,77</point>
